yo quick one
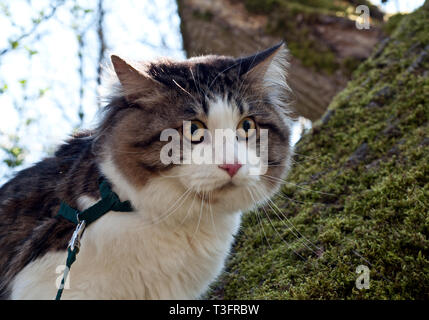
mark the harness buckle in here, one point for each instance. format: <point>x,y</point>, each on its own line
<point>77,234</point>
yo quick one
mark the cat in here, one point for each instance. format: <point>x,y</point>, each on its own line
<point>175,241</point>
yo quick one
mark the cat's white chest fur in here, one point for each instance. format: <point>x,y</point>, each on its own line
<point>140,255</point>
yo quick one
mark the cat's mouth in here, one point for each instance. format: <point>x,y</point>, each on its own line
<point>230,184</point>
<point>213,195</point>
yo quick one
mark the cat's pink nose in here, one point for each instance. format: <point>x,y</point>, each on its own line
<point>231,168</point>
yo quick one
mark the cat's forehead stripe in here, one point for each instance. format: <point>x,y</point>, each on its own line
<point>222,113</point>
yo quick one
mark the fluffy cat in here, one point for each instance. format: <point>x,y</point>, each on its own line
<point>175,242</point>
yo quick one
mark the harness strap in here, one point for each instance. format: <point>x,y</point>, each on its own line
<point>71,257</point>
<point>109,201</point>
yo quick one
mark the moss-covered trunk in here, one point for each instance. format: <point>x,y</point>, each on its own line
<point>358,193</point>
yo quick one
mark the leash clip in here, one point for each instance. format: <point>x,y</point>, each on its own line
<point>77,234</point>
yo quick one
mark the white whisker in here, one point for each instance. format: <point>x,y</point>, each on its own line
<point>300,187</point>
<point>275,229</point>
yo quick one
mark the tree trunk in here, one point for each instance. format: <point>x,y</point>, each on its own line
<point>325,48</point>
<point>352,221</point>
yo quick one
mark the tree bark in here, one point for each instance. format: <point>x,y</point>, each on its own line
<point>351,221</point>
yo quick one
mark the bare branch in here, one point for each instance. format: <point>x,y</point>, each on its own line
<point>102,43</point>
<point>36,24</point>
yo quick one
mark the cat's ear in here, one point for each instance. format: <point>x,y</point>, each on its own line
<point>267,67</point>
<point>133,81</point>
<point>126,73</point>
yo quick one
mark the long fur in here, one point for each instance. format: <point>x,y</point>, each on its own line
<point>186,216</point>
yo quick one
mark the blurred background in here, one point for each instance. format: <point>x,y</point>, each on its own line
<point>52,53</point>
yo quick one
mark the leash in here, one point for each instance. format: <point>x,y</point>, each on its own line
<point>109,201</point>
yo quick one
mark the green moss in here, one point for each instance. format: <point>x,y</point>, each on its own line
<point>350,64</point>
<point>358,193</point>
<point>205,16</point>
<point>319,6</point>
<point>392,23</point>
<point>282,22</point>
<point>324,59</point>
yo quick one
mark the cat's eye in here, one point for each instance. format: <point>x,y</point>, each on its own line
<point>194,131</point>
<point>246,128</point>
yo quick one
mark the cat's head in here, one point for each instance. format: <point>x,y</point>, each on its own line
<point>195,98</point>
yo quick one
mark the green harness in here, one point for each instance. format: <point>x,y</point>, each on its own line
<point>109,202</point>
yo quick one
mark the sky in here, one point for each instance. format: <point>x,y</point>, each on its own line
<point>135,29</point>
<point>394,6</point>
